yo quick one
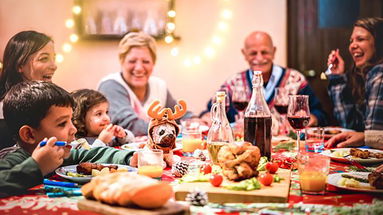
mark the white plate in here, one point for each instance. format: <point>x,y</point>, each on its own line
<point>72,168</point>
<point>329,153</point>
<point>334,178</point>
<point>136,145</point>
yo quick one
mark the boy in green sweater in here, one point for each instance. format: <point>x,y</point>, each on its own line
<point>42,111</point>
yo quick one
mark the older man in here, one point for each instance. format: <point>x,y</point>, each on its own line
<point>259,52</point>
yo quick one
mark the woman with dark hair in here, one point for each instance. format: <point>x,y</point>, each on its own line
<point>358,93</point>
<point>28,55</point>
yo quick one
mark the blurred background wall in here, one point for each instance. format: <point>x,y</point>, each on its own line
<point>196,24</point>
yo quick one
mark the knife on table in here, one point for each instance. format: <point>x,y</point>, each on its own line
<point>60,183</point>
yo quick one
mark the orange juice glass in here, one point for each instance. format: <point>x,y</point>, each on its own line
<point>313,169</point>
<point>150,162</point>
<point>191,140</point>
<point>151,171</point>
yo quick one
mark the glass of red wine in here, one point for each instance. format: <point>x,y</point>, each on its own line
<point>239,99</point>
<point>298,114</point>
<point>281,103</point>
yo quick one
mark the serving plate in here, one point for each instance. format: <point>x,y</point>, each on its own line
<point>343,155</point>
<point>333,179</point>
<point>62,172</point>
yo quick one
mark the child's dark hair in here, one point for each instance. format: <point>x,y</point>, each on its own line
<point>84,100</point>
<point>27,103</point>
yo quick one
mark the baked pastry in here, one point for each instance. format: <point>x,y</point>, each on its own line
<point>239,162</point>
<point>126,188</point>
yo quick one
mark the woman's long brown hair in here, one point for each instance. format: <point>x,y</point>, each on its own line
<point>357,76</point>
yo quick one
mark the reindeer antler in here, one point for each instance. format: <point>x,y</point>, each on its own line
<point>179,110</point>
<point>154,110</point>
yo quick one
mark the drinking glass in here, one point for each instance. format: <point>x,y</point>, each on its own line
<point>315,139</point>
<point>313,169</point>
<point>150,162</point>
<point>298,114</point>
<point>281,103</point>
<point>191,140</point>
<point>240,102</point>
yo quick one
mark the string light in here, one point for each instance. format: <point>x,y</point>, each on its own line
<point>69,23</point>
<point>67,47</point>
<point>59,58</point>
<point>76,9</point>
<point>216,40</point>
<point>73,38</point>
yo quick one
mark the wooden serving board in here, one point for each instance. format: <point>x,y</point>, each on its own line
<point>277,192</point>
<point>170,207</point>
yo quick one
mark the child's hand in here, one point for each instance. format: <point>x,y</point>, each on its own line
<point>48,157</point>
<point>119,132</point>
<point>107,134</point>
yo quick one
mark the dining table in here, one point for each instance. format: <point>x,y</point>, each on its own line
<point>334,201</point>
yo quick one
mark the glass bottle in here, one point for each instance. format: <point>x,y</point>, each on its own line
<point>220,132</point>
<point>258,118</point>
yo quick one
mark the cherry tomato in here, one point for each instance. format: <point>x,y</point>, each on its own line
<point>271,167</point>
<point>206,169</point>
<point>216,180</point>
<point>266,179</point>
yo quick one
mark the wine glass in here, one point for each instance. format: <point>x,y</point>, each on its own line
<point>298,114</point>
<point>240,102</point>
<point>281,103</point>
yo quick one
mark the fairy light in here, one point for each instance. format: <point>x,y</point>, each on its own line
<point>170,26</point>
<point>197,60</point>
<point>59,58</point>
<point>226,14</point>
<point>217,40</point>
<point>69,23</point>
<point>73,38</point>
<point>67,47</point>
<point>209,52</point>
<point>187,62</point>
<point>76,9</point>
<point>175,51</point>
<point>172,13</point>
<point>169,39</point>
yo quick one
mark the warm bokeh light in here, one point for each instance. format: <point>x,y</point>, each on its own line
<point>169,39</point>
<point>76,9</point>
<point>217,40</point>
<point>73,38</point>
<point>1,65</point>
<point>226,14</point>
<point>172,13</point>
<point>197,60</point>
<point>170,26</point>
<point>209,52</point>
<point>175,51</point>
<point>187,62</point>
<point>59,58</point>
<point>67,47</point>
<point>69,23</point>
<point>222,26</point>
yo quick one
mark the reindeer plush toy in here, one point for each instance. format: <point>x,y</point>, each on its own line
<point>163,129</point>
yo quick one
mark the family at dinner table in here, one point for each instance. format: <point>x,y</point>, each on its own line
<point>33,109</point>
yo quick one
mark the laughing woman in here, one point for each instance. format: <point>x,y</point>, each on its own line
<point>358,93</point>
<point>131,91</point>
<point>28,56</point>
